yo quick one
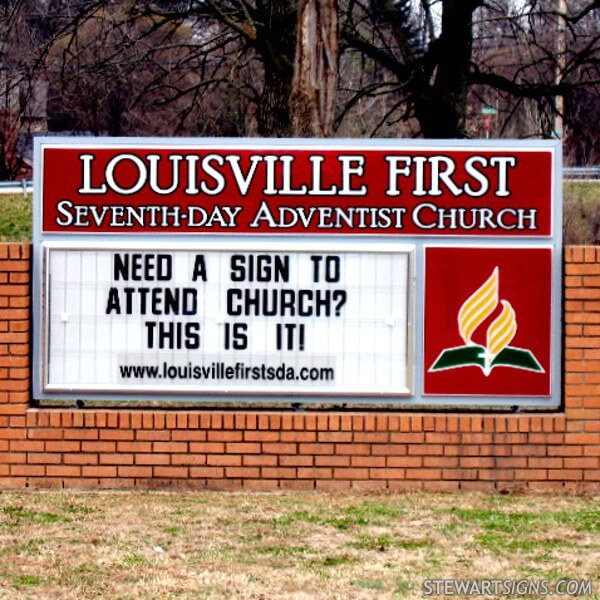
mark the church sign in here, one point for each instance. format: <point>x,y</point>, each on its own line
<point>380,271</point>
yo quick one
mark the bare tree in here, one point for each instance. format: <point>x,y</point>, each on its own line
<point>270,67</point>
<point>437,60</point>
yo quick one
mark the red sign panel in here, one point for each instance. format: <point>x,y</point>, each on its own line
<point>488,321</point>
<point>321,190</point>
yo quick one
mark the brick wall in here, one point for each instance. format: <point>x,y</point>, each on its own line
<point>246,449</point>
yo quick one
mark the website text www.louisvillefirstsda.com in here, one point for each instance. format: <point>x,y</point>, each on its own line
<point>220,371</point>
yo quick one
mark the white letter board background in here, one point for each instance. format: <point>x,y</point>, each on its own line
<point>367,345</point>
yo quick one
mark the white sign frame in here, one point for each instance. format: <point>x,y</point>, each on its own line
<point>219,391</point>
<point>358,242</point>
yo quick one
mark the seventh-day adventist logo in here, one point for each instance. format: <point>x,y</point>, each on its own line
<point>497,351</point>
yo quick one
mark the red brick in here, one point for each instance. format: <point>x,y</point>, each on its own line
<point>134,446</point>
<point>316,449</point>
<point>63,471</point>
<point>223,460</point>
<point>511,462</point>
<point>353,449</point>
<point>116,483</point>
<point>168,472</point>
<point>242,472</point>
<point>261,436</point>
<point>117,434</point>
<point>545,462</point>
<point>225,436</point>
<point>136,472</point>
<point>565,450</point>
<point>423,473</point>
<point>117,458</point>
<point>297,436</point>
<point>188,459</point>
<point>581,438</point>
<point>441,486</point>
<point>332,461</point>
<point>426,450</point>
<point>331,485</point>
<point>479,462</point>
<point>367,461</point>
<point>210,472</point>
<point>407,438</point>
<point>337,436</point>
<point>170,447</point>
<point>98,446</point>
<point>81,434</point>
<point>477,438</point>
<point>13,434</point>
<point>207,447</point>
<point>44,458</point>
<point>460,474</point>
<point>224,484</point>
<point>369,437</point>
<point>12,457</point>
<point>28,470</point>
<point>447,462</point>
<point>531,474</point>
<point>496,474</point>
<point>390,449</point>
<point>260,460</point>
<point>350,473</point>
<point>280,448</point>
<point>278,472</point>
<point>259,485</point>
<point>565,474</point>
<point>99,471</point>
<point>590,463</point>
<point>314,473</point>
<point>26,446</point>
<point>442,438</point>
<point>404,461</point>
<point>296,461</point>
<point>387,473</point>
<point>477,486</point>
<point>152,459</point>
<point>274,422</point>
<point>370,485</point>
<point>242,448</point>
<point>80,459</point>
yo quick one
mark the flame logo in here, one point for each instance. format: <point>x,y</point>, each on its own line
<point>478,307</point>
<point>500,333</point>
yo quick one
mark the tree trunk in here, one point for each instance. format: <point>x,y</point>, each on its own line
<point>442,108</point>
<point>275,41</point>
<point>315,68</point>
<point>273,115</point>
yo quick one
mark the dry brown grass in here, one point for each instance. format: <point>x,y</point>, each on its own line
<point>285,545</point>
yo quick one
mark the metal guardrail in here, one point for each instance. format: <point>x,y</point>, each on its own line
<point>581,172</point>
<point>22,186</point>
<point>25,186</point>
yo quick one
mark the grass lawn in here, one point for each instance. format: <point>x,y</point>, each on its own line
<point>15,218</point>
<point>581,211</point>
<point>285,545</point>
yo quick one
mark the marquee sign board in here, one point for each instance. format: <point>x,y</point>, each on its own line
<point>296,270</point>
